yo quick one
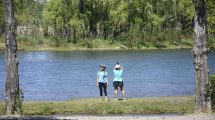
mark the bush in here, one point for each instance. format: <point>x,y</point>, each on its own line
<point>85,43</point>
<point>26,40</point>
<point>94,43</point>
<point>1,38</point>
<point>23,39</point>
<point>212,81</point>
<point>211,42</point>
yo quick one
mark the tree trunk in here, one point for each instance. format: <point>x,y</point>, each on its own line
<point>200,53</point>
<point>81,6</point>
<point>12,78</point>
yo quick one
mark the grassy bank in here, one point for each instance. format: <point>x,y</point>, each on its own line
<point>43,44</point>
<point>71,46</point>
<point>157,105</point>
<point>58,44</point>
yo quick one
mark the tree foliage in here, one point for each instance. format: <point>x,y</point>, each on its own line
<point>129,21</point>
<point>1,16</point>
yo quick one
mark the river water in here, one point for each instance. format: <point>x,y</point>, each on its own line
<point>66,75</point>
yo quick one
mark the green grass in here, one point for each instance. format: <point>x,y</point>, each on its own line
<point>157,105</point>
<point>1,43</point>
<point>167,39</point>
<point>27,43</point>
<point>1,46</point>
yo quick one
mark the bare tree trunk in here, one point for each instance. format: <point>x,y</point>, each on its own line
<point>12,78</point>
<point>200,52</point>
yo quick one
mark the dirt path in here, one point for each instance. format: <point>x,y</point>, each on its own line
<point>126,117</point>
<point>138,117</point>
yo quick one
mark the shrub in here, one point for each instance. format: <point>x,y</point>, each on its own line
<point>26,40</point>
<point>85,43</point>
<point>23,39</point>
<point>1,38</point>
<point>212,81</point>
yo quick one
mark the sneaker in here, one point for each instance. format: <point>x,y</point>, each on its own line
<point>100,98</point>
<point>116,98</point>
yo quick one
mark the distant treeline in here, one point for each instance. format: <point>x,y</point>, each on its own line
<point>132,23</point>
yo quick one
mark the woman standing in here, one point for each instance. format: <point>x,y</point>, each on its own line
<point>117,81</point>
<point>102,81</point>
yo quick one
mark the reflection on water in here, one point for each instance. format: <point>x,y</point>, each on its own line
<point>72,74</point>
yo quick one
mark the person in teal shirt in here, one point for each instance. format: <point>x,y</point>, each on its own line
<point>118,81</point>
<point>102,81</point>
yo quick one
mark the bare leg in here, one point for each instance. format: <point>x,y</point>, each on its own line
<point>116,92</point>
<point>123,91</point>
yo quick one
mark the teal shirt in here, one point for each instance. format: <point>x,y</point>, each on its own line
<point>117,75</point>
<point>102,77</point>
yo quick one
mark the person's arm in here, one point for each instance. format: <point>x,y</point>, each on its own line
<point>107,79</point>
<point>121,67</point>
<point>97,81</point>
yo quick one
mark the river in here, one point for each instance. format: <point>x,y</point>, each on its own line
<point>66,75</point>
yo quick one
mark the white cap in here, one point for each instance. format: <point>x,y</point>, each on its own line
<point>117,66</point>
<point>101,65</point>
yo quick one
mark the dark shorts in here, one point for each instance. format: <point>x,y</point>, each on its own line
<point>102,84</point>
<point>117,84</point>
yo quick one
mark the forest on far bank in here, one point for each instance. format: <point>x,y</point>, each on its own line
<point>100,23</point>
